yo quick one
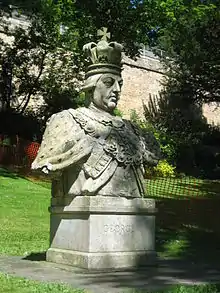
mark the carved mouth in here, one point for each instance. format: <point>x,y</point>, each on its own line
<point>113,99</point>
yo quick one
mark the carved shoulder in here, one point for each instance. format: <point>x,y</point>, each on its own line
<point>61,134</point>
<point>152,148</point>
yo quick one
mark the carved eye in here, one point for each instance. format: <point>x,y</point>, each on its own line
<point>108,81</point>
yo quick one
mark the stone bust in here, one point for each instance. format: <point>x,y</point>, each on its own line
<point>90,151</point>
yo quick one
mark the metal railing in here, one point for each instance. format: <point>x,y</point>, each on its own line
<point>148,52</point>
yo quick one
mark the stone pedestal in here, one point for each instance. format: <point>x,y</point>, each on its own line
<point>99,233</point>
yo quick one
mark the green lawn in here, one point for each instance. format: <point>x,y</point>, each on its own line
<point>10,284</point>
<point>24,215</point>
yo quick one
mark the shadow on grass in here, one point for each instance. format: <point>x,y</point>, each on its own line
<point>9,174</point>
<point>36,256</point>
<point>189,229</point>
<point>35,178</point>
<point>207,188</point>
<point>182,188</point>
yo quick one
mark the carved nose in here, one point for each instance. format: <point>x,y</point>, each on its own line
<point>117,87</point>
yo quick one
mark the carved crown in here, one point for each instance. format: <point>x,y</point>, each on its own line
<point>105,57</point>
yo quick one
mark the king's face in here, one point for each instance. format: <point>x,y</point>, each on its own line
<point>107,92</point>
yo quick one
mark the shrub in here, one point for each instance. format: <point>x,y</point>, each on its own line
<point>163,169</point>
<point>117,112</point>
<point>167,143</point>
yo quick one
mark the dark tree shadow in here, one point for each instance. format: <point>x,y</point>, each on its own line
<point>6,173</point>
<point>180,121</point>
<point>188,219</point>
<point>207,188</point>
<point>189,229</point>
<point>183,188</point>
<point>25,126</point>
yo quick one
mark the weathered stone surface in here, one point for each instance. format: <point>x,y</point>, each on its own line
<point>103,233</point>
<point>100,204</point>
<point>99,219</point>
<point>91,151</point>
<point>101,261</point>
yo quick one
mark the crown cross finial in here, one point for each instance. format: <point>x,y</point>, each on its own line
<point>104,34</point>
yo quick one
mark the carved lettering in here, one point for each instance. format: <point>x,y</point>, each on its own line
<point>118,229</point>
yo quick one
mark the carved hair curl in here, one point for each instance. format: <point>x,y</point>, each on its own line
<point>89,87</point>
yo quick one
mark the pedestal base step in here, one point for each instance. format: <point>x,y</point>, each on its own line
<point>102,261</point>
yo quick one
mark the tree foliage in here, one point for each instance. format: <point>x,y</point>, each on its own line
<point>189,34</point>
<point>128,21</point>
<point>191,39</point>
<point>47,58</point>
<point>44,63</point>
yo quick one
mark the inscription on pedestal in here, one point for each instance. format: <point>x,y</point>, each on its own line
<point>118,229</point>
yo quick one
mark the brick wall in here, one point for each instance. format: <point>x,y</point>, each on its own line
<point>141,78</point>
